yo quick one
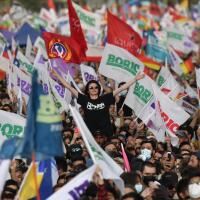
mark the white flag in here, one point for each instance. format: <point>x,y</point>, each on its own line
<point>172,88</point>
<point>2,44</point>
<point>162,76</point>
<point>111,170</point>
<point>4,172</point>
<point>139,95</point>
<point>176,61</point>
<point>20,80</point>
<point>61,94</point>
<point>24,63</point>
<point>88,74</point>
<point>197,70</point>
<point>190,91</point>
<point>172,114</point>
<point>11,125</point>
<point>89,20</point>
<point>4,64</point>
<point>29,50</point>
<point>180,41</point>
<point>118,64</point>
<point>151,116</point>
<point>76,187</point>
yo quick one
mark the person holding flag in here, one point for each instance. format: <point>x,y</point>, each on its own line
<point>96,106</point>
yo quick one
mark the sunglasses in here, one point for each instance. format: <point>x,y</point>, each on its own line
<point>91,88</point>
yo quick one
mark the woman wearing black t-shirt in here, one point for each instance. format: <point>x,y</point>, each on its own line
<point>96,106</point>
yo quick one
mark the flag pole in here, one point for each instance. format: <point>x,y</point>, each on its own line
<point>35,177</point>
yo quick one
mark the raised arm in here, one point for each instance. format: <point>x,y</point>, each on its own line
<point>65,83</point>
<point>128,84</point>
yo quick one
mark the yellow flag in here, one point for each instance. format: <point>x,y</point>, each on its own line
<point>28,190</point>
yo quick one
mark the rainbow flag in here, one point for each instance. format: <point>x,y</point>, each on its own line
<point>187,66</point>
<point>149,62</point>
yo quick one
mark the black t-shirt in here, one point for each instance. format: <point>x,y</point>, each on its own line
<point>96,112</point>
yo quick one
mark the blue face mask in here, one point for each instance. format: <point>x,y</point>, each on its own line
<point>138,187</point>
<point>146,152</point>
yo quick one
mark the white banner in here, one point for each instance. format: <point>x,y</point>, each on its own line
<point>172,114</point>
<point>4,173</point>
<point>2,44</point>
<point>139,95</point>
<point>18,79</point>
<point>23,63</point>
<point>197,70</point>
<point>30,55</point>
<point>176,61</point>
<point>4,64</point>
<point>62,96</point>
<point>39,44</point>
<point>180,41</point>
<point>162,76</point>
<point>11,125</point>
<point>151,116</point>
<point>110,169</point>
<point>88,73</point>
<point>89,20</point>
<point>76,187</point>
<point>63,25</point>
<point>170,86</point>
<point>119,64</point>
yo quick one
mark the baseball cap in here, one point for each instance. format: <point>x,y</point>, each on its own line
<point>75,150</point>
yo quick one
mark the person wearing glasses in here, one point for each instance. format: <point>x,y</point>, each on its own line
<point>96,106</point>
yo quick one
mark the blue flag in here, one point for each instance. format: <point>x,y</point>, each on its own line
<point>156,50</point>
<point>46,187</point>
<point>9,148</point>
<point>43,129</point>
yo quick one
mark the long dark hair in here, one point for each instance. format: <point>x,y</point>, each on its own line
<point>89,83</point>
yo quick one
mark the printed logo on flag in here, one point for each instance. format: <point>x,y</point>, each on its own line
<point>142,93</point>
<point>10,130</point>
<point>117,61</point>
<point>59,49</point>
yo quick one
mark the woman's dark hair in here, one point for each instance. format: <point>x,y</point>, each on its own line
<point>89,83</point>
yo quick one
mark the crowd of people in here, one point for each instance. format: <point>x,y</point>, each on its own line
<point>158,170</point>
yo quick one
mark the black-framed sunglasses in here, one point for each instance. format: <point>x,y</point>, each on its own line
<point>91,88</point>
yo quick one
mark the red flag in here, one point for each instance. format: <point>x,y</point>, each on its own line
<point>75,28</point>
<point>122,35</point>
<point>51,4</point>
<point>64,47</point>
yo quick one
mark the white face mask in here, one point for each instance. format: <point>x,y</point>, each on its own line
<point>146,152</point>
<point>138,187</point>
<point>194,190</point>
